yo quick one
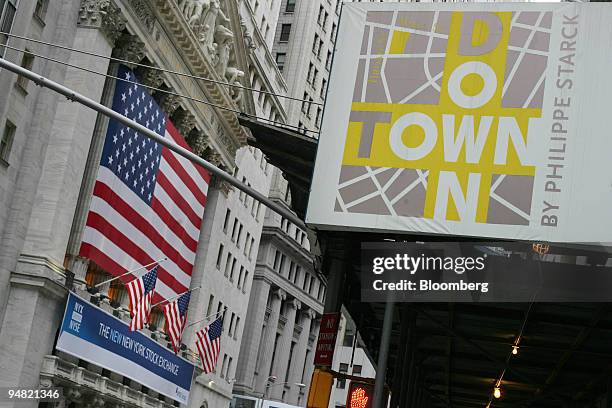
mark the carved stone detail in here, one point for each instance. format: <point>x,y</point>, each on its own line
<point>198,141</point>
<point>169,103</point>
<point>248,37</point>
<point>145,14</point>
<point>102,14</point>
<point>150,77</point>
<point>130,48</point>
<point>184,121</point>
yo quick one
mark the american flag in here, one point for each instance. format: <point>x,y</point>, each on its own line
<point>208,342</point>
<point>147,202</point>
<point>176,316</point>
<point>140,291</point>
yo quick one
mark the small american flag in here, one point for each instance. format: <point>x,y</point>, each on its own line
<point>140,292</point>
<point>176,316</point>
<point>208,342</point>
<point>147,202</point>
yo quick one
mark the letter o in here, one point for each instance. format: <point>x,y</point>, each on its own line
<point>485,95</point>
<point>397,130</point>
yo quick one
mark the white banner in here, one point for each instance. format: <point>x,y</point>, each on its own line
<point>473,119</point>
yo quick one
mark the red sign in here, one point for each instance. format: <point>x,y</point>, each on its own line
<point>324,353</point>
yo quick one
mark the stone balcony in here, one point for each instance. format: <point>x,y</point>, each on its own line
<point>84,386</point>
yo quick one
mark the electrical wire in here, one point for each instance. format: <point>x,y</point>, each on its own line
<point>168,71</point>
<point>152,88</point>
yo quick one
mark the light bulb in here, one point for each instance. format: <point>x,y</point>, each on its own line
<point>497,392</point>
<point>515,350</point>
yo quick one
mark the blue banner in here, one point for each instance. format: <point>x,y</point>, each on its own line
<point>96,336</point>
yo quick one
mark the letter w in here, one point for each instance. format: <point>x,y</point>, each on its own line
<point>465,135</point>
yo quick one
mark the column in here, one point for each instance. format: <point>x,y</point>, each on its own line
<point>253,327</point>
<point>282,362</point>
<point>309,367</point>
<point>44,204</point>
<point>299,359</point>
<point>71,135</point>
<point>268,340</point>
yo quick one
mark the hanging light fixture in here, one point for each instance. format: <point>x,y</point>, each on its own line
<point>515,350</point>
<point>497,392</point>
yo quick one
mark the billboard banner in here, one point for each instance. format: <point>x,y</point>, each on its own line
<point>473,119</point>
<point>94,335</point>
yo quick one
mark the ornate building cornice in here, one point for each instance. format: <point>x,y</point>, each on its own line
<point>192,35</point>
<point>104,15</point>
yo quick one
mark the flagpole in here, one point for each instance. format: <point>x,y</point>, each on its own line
<point>208,317</point>
<point>177,296</point>
<point>129,272</point>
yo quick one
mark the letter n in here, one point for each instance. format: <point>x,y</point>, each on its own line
<point>448,185</point>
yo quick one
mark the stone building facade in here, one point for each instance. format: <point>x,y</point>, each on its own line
<point>49,156</point>
<point>285,307</point>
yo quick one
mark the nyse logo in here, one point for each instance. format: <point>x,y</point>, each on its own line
<point>76,318</point>
<point>443,109</point>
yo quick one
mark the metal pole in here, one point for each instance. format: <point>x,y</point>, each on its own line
<point>76,97</point>
<point>381,369</point>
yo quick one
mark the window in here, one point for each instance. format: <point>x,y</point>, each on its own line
<point>231,277</point>
<point>341,383</point>
<point>231,325</point>
<point>236,327</point>
<point>239,238</point>
<point>7,141</point>
<point>228,264</point>
<point>228,215</point>
<point>305,103</point>
<point>315,44</point>
<point>320,17</point>
<point>296,278</point>
<point>244,282</point>
<point>224,365</point>
<point>318,119</point>
<point>41,9</point>
<point>311,68</point>
<point>26,62</point>
<point>281,58</point>
<point>310,101</point>
<point>211,300</point>
<point>277,257</point>
<point>229,369</point>
<point>285,32</point>
<point>328,60</point>
<point>312,281</point>
<point>282,264</point>
<point>235,229</point>
<point>7,14</point>
<point>240,277</point>
<point>333,32</point>
<point>290,6</point>
<point>319,49</point>
<point>356,369</point>
<point>246,243</point>
<point>219,256</point>
<point>251,248</point>
<point>323,88</point>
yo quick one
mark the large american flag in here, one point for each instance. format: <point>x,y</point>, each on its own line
<point>176,316</point>
<point>208,342</point>
<point>147,202</point>
<point>140,292</point>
